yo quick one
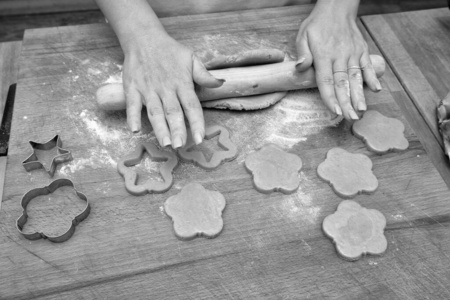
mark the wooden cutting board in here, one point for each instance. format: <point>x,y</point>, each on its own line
<point>417,46</point>
<point>272,246</point>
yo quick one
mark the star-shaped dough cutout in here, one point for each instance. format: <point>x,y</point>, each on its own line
<point>33,162</point>
<point>274,169</point>
<point>150,186</point>
<point>380,134</point>
<point>356,230</point>
<point>230,150</point>
<point>196,211</point>
<point>349,174</point>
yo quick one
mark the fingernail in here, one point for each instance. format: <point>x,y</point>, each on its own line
<point>166,141</point>
<point>198,138</point>
<point>378,86</point>
<point>337,110</point>
<point>362,106</point>
<point>177,142</point>
<point>300,61</point>
<point>221,80</point>
<point>134,128</point>
<point>353,115</point>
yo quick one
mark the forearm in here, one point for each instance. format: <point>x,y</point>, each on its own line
<point>338,8</point>
<point>131,19</point>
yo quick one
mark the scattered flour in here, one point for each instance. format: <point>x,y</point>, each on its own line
<point>96,158</point>
<point>299,115</point>
<point>115,78</point>
<point>93,71</point>
<point>299,206</point>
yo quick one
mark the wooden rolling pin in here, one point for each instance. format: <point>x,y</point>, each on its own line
<point>242,81</point>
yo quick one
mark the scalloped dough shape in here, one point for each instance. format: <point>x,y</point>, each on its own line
<point>356,230</point>
<point>247,102</point>
<point>380,134</point>
<point>218,157</point>
<point>195,212</point>
<point>274,169</point>
<point>349,174</point>
<point>151,186</point>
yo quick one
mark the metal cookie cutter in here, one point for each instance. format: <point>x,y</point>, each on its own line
<point>33,163</point>
<point>45,191</point>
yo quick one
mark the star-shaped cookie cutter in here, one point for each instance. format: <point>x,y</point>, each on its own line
<point>218,157</point>
<point>33,163</point>
<point>30,195</point>
<point>150,186</point>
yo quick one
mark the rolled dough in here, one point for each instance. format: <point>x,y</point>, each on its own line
<point>230,150</point>
<point>246,58</point>
<point>274,169</point>
<point>356,230</point>
<point>380,134</point>
<point>151,186</point>
<point>349,174</point>
<point>196,211</point>
<point>246,103</point>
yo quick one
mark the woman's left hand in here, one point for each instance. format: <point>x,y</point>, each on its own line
<point>330,40</point>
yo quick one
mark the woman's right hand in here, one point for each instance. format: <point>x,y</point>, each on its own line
<point>160,73</point>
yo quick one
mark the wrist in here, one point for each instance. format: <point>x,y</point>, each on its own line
<point>140,35</point>
<point>338,9</point>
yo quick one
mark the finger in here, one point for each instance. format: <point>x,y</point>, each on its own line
<point>155,113</point>
<point>305,58</point>
<point>342,89</point>
<point>194,113</point>
<point>356,85</point>
<point>175,119</point>
<point>325,83</point>
<point>370,77</point>
<point>202,77</point>
<point>134,107</point>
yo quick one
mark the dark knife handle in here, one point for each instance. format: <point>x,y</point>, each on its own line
<point>5,127</point>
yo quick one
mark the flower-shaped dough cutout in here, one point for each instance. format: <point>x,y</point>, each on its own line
<point>229,153</point>
<point>274,169</point>
<point>150,186</point>
<point>349,174</point>
<point>380,134</point>
<point>196,211</point>
<point>356,230</point>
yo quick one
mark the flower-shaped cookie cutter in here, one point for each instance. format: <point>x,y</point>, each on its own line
<point>150,186</point>
<point>218,157</point>
<point>349,174</point>
<point>356,230</point>
<point>274,169</point>
<point>30,195</point>
<point>196,211</point>
<point>380,134</point>
<point>33,163</point>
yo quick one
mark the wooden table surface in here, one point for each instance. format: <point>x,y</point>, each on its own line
<point>417,47</point>
<point>272,246</point>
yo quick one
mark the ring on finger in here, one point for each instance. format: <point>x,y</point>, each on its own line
<point>339,71</point>
<point>354,67</point>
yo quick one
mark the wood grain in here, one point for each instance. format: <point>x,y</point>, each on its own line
<point>9,67</point>
<point>417,46</point>
<point>271,246</point>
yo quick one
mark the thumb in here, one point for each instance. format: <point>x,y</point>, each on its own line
<point>305,58</point>
<point>202,77</point>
